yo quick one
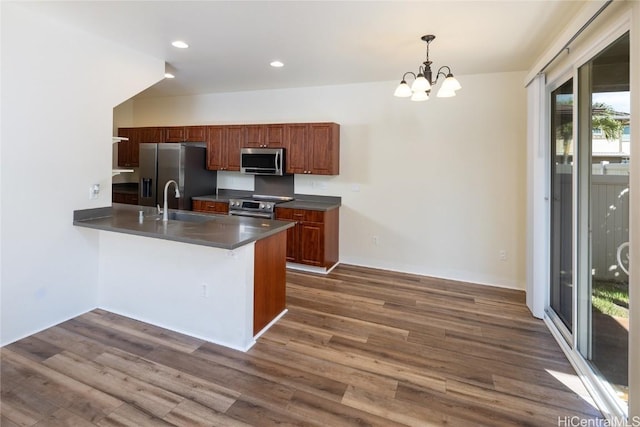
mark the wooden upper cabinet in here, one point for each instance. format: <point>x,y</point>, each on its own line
<point>254,136</point>
<point>264,136</point>
<point>234,141</point>
<point>124,147</point>
<point>296,146</point>
<point>324,150</point>
<point>174,134</point>
<point>313,148</point>
<point>150,134</point>
<point>216,156</point>
<point>185,134</point>
<point>129,151</point>
<point>195,133</point>
<point>274,136</point>
<point>223,147</point>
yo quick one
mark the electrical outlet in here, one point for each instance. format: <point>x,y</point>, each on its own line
<point>502,254</point>
<point>374,239</point>
<point>94,191</point>
<point>205,290</point>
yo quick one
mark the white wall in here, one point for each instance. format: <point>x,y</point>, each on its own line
<point>165,287</point>
<point>441,183</point>
<point>59,87</point>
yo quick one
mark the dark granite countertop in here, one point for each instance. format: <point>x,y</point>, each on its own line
<point>219,231</point>
<point>224,195</point>
<point>301,201</point>
<point>313,203</point>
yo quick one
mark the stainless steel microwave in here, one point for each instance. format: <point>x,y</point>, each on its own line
<point>262,161</point>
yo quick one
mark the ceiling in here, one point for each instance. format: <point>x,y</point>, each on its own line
<point>320,42</point>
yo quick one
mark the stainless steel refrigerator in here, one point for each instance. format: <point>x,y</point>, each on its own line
<point>185,163</point>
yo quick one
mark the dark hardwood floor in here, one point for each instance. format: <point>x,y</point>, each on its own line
<point>358,347</point>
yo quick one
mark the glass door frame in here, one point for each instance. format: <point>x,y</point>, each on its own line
<point>578,337</point>
<point>567,334</point>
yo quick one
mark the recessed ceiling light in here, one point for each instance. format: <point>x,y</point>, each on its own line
<point>169,76</point>
<point>180,44</point>
<point>276,64</point>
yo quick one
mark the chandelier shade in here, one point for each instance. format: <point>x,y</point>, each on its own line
<point>425,80</point>
<point>420,96</point>
<point>403,90</point>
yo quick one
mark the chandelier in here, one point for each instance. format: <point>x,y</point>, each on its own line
<point>422,84</point>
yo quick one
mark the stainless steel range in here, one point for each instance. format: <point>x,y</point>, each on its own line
<point>258,206</point>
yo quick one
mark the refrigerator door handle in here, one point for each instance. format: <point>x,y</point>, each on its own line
<point>145,187</point>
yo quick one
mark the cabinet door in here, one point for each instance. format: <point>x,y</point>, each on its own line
<point>274,136</point>
<point>323,149</point>
<point>195,133</point>
<point>150,134</point>
<point>215,147</point>
<point>234,136</point>
<point>296,137</point>
<point>254,136</point>
<point>286,214</point>
<point>124,147</point>
<point>311,243</point>
<point>128,155</point>
<point>218,207</point>
<point>198,206</point>
<point>174,134</point>
<point>118,198</point>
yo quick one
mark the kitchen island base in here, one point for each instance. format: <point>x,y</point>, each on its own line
<point>209,293</point>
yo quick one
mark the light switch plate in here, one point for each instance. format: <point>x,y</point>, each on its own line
<point>94,191</point>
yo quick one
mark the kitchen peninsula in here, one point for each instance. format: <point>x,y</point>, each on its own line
<point>216,277</point>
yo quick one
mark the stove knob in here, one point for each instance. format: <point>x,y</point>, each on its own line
<point>261,205</point>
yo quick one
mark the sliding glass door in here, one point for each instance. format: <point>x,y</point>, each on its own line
<point>589,216</point>
<point>603,189</point>
<point>561,250</point>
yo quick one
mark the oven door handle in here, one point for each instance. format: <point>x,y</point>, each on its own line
<point>251,214</point>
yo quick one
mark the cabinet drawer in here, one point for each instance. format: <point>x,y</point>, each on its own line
<point>128,198</point>
<point>210,206</point>
<point>299,215</point>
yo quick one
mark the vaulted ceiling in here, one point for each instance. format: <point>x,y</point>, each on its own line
<point>320,42</point>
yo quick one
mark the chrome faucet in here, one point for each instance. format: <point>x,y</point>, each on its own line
<point>165,210</point>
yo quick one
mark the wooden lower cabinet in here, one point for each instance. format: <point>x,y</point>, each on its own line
<point>314,239</point>
<point>128,198</point>
<point>269,280</point>
<point>210,206</point>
